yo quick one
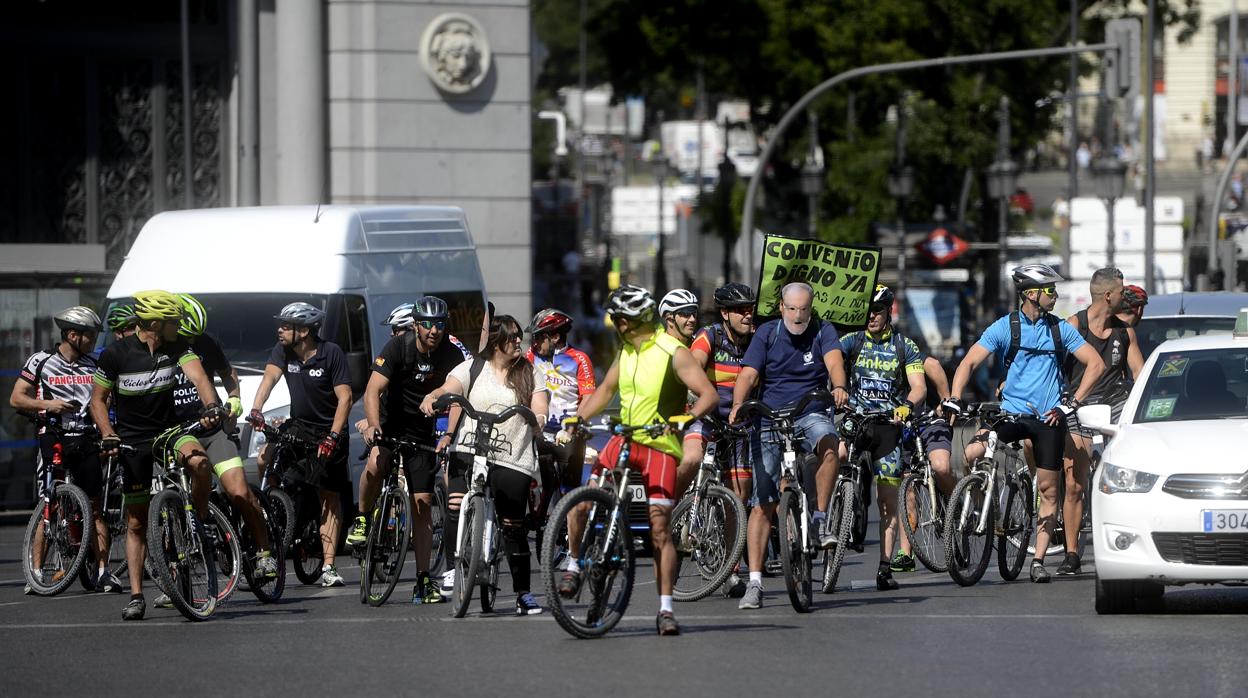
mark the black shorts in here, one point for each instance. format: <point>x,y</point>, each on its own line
<point>80,458</point>
<point>420,467</point>
<point>331,474</point>
<point>1048,442</point>
<point>137,463</point>
<point>937,436</point>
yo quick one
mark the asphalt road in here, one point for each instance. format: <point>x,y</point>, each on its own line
<point>929,638</point>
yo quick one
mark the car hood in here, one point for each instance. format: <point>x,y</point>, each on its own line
<point>1198,446</point>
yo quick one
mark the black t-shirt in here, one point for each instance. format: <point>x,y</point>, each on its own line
<point>142,383</point>
<point>311,383</point>
<point>185,398</point>
<point>412,376</point>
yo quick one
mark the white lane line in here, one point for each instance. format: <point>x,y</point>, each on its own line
<point>11,603</point>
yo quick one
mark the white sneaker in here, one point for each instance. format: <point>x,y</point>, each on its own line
<point>448,581</point>
<point>330,577</point>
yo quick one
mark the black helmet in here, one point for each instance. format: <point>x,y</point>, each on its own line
<point>733,295</point>
<point>430,308</point>
<point>883,296</point>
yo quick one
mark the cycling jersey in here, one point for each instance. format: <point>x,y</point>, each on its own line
<point>56,378</point>
<point>569,376</point>
<point>1034,381</point>
<point>142,382</point>
<point>726,358</point>
<point>311,383</point>
<point>875,382</point>
<point>413,375</point>
<point>791,366</point>
<point>650,389</point>
<point>185,398</point>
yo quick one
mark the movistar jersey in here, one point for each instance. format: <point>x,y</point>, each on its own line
<point>874,381</point>
<point>569,375</point>
<point>650,389</point>
<point>142,383</point>
<point>726,359</point>
<point>55,378</point>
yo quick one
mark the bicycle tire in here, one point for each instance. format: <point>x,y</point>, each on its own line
<point>185,571</point>
<point>305,549</point>
<point>271,590</point>
<point>489,588</point>
<point>1016,518</point>
<point>468,559</point>
<point>717,546</point>
<point>438,519</point>
<point>63,558</point>
<point>386,549</point>
<point>925,527</point>
<point>842,513</point>
<point>284,515</point>
<point>609,582</point>
<point>961,542</point>
<point>228,554</point>
<point>795,559</point>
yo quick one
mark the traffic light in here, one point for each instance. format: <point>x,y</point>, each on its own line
<point>1122,62</point>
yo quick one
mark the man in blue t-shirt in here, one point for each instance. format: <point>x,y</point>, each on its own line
<point>1033,386</point>
<point>793,356</point>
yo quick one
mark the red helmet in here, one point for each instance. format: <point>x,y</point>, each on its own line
<point>549,320</point>
<point>1135,296</point>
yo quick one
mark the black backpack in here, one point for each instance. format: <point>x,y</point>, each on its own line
<point>1059,349</point>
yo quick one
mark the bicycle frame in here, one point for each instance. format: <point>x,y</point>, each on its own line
<point>994,472</point>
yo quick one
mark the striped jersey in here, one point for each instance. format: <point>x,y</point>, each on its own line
<point>725,361</point>
<point>142,383</point>
<point>55,378</point>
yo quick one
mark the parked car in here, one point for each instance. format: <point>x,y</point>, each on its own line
<point>1176,315</point>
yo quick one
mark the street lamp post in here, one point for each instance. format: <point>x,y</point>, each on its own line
<point>812,177</point>
<point>660,265</point>
<point>1110,177</point>
<point>1002,180</point>
<point>901,187</point>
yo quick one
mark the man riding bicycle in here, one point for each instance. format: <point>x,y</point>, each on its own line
<point>138,373</point>
<point>653,373</point>
<point>885,373</point>
<point>320,397</point>
<point>791,356</point>
<point>936,439</point>
<point>679,312</point>
<point>1032,344</point>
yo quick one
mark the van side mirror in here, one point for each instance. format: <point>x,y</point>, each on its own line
<point>357,365</point>
<point>1098,418</point>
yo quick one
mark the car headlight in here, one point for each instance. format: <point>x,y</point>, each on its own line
<point>257,437</point>
<point>1116,479</point>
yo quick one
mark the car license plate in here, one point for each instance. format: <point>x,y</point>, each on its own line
<point>637,492</point>
<point>1224,520</point>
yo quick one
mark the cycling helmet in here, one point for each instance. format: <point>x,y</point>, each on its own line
<point>632,302</point>
<point>678,300</point>
<point>401,316</point>
<point>301,314</point>
<point>120,317</point>
<point>78,317</point>
<point>430,308</point>
<point>883,296</point>
<point>549,321</point>
<point>194,316</point>
<point>157,305</point>
<point>1134,296</point>
<point>733,295</point>
<point>1031,276</point>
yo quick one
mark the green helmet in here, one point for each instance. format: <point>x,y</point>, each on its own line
<point>120,317</point>
<point>194,316</point>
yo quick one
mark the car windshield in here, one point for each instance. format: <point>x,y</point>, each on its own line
<point>1151,332</point>
<point>1204,384</point>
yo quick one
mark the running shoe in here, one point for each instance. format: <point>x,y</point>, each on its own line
<point>753,597</point>
<point>1070,565</point>
<point>448,581</point>
<point>163,601</point>
<point>266,567</point>
<point>526,605</point>
<point>666,623</point>
<point>734,586</point>
<point>884,579</point>
<point>330,577</point>
<point>570,584</point>
<point>359,532</point>
<point>135,610</point>
<point>901,563</point>
<point>1039,575</point>
<point>425,590</point>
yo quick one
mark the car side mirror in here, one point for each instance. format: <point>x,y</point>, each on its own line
<point>1098,418</point>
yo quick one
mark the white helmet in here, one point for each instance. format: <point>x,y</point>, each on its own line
<point>78,317</point>
<point>401,316</point>
<point>1031,276</point>
<point>677,300</point>
<point>632,302</point>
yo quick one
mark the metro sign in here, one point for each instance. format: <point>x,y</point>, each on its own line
<point>942,246</point>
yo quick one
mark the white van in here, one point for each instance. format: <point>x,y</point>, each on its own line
<point>355,262</point>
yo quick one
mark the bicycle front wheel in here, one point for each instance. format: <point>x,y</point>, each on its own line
<point>968,537</point>
<point>604,583</point>
<point>267,590</point>
<point>386,549</point>
<point>54,551</point>
<point>183,559</point>
<point>283,513</point>
<point>438,520</point>
<point>305,548</point>
<point>1015,529</point>
<point>841,514</point>
<point>924,521</point>
<point>709,541</point>
<point>228,552</point>
<point>795,557</point>
<point>470,558</point>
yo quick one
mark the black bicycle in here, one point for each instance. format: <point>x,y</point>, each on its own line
<point>294,504</point>
<point>59,534</point>
<point>271,589</point>
<point>920,503</point>
<point>848,511</point>
<point>390,527</point>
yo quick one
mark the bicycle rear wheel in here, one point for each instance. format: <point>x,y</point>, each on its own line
<point>305,549</point>
<point>605,557</point>
<point>923,520</point>
<point>181,557</point>
<point>1015,529</point>
<point>841,513</point>
<point>489,587</point>
<point>282,510</point>
<point>437,551</point>
<point>386,549</point>
<point>795,558</point>
<point>967,549</point>
<point>66,537</point>
<point>267,590</point>
<point>469,560</point>
<point>228,552</point>
<point>716,535</point>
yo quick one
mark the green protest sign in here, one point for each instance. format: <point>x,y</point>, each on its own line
<point>843,277</point>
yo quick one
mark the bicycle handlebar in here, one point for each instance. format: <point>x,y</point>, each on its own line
<point>756,407</point>
<point>443,403</point>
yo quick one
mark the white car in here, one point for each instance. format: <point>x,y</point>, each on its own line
<point>1170,500</point>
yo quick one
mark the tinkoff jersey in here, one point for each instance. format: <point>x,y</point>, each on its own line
<point>874,366</point>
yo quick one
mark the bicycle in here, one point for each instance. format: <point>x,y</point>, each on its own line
<point>708,524</point>
<point>847,513</point>
<point>55,533</point>
<point>920,503</point>
<point>479,537</point>
<point>112,511</point>
<point>798,540</point>
<point>296,504</point>
<point>605,557</point>
<point>390,528</point>
<point>270,590</point>
<point>993,499</point>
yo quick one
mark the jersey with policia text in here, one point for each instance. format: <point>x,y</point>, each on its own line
<point>185,396</point>
<point>142,384</point>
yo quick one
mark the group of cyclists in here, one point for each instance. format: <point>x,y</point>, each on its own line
<point>159,371</point>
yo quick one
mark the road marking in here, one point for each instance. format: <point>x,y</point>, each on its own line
<point>11,603</point>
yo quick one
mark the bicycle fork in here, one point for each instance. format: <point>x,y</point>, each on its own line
<point>789,473</point>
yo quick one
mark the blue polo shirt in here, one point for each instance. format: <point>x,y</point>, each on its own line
<point>1035,376</point>
<point>791,365</point>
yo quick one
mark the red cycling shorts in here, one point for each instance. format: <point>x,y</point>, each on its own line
<point>656,467</point>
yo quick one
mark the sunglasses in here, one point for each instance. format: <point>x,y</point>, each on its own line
<point>432,324</point>
<point>1048,290</point>
<point>513,337</point>
<point>879,309</point>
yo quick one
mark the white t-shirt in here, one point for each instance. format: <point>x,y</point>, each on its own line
<point>514,438</point>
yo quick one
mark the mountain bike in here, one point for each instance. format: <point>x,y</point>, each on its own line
<point>296,505</point>
<point>605,555</point>
<point>60,530</point>
<point>708,524</point>
<point>112,510</point>
<point>269,590</point>
<point>390,527</point>
<point>920,503</point>
<point>847,513</point>
<point>479,536</point>
<point>798,539</point>
<point>994,499</point>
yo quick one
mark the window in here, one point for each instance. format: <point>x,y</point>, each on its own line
<point>1206,384</point>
